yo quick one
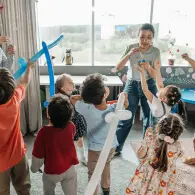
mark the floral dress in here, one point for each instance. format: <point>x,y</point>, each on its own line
<point>149,181</point>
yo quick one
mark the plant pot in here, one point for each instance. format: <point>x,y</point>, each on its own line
<point>171,62</point>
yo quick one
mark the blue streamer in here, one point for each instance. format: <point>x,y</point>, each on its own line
<point>22,63</point>
<point>50,71</point>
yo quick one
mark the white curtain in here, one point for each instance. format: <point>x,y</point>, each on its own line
<point>18,21</point>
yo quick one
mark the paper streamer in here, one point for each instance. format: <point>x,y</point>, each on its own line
<point>50,72</point>
<point>22,63</point>
<point>112,118</point>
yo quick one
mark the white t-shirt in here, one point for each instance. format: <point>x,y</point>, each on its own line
<point>156,107</point>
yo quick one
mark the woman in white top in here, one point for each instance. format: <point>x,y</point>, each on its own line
<point>166,97</point>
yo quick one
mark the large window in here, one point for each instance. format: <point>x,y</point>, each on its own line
<point>176,32</point>
<point>98,31</point>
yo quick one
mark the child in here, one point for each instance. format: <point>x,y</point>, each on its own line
<point>13,159</point>
<point>167,97</point>
<point>188,59</point>
<point>65,86</point>
<point>92,105</point>
<point>54,146</point>
<point>6,62</point>
<point>158,154</point>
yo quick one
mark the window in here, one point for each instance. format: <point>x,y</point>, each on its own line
<point>71,17</point>
<point>116,26</point>
<point>176,32</point>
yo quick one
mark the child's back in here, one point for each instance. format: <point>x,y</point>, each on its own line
<point>159,152</point>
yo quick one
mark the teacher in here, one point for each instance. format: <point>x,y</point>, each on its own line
<point>144,54</point>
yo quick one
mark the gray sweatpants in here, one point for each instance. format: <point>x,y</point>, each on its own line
<point>67,179</point>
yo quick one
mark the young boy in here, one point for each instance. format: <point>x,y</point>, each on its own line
<point>54,146</point>
<point>94,108</point>
<point>13,160</point>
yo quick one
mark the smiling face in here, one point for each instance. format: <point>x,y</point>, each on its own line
<point>145,37</point>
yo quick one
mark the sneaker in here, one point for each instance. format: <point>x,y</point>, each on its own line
<point>83,161</point>
<point>106,191</point>
<point>117,154</point>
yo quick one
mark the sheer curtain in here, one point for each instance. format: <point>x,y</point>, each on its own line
<point>18,21</point>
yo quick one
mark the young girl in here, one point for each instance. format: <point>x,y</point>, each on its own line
<point>166,98</point>
<point>65,85</point>
<point>158,154</point>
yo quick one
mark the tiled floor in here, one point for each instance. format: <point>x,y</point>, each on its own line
<point>135,134</point>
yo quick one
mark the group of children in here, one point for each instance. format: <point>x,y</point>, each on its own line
<point>73,116</point>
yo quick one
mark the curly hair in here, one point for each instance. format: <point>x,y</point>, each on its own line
<point>60,110</point>
<point>7,85</point>
<point>170,125</point>
<point>92,89</point>
<point>173,96</point>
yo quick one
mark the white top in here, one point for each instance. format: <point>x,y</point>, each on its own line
<point>78,80</point>
<point>156,107</point>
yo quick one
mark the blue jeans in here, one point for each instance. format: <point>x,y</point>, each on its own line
<point>135,94</point>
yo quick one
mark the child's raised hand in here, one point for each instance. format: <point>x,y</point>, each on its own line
<point>31,64</point>
<point>157,64</point>
<point>145,65</point>
<point>139,69</point>
<point>185,56</point>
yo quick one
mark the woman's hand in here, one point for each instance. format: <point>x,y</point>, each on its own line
<point>185,56</point>
<point>132,51</point>
<point>139,69</point>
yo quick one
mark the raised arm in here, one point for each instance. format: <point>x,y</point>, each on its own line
<point>26,79</point>
<point>125,57</point>
<point>159,80</point>
<point>144,84</point>
<point>148,68</point>
<point>74,99</point>
<point>189,60</point>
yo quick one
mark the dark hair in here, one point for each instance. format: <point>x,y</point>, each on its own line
<point>170,125</point>
<point>173,96</point>
<point>147,26</point>
<point>7,85</point>
<point>60,82</point>
<point>92,89</point>
<point>60,110</point>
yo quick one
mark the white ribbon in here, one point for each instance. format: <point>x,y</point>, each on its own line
<point>112,118</point>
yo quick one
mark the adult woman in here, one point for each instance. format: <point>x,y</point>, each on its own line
<point>142,53</point>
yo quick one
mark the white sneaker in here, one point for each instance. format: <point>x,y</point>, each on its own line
<point>83,160</point>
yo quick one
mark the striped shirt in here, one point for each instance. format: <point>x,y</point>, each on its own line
<point>6,62</point>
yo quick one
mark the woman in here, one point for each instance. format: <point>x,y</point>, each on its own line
<point>144,54</point>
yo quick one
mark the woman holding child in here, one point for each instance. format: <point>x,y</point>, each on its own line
<point>142,53</point>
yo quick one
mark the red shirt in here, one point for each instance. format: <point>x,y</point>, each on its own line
<point>56,147</point>
<point>12,147</point>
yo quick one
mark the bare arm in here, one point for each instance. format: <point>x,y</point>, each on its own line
<point>26,79</point>
<point>159,80</point>
<point>151,72</point>
<point>189,60</point>
<point>36,164</point>
<point>74,99</point>
<point>144,84</point>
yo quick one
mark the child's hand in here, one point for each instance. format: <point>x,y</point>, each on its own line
<point>139,69</point>
<point>157,64</point>
<point>4,39</point>
<point>185,56</point>
<point>31,64</point>
<point>145,65</point>
<point>11,49</point>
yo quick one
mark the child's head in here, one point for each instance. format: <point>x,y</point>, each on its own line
<point>7,85</point>
<point>60,111</point>
<point>169,129</point>
<point>171,95</point>
<point>65,84</point>
<point>93,89</point>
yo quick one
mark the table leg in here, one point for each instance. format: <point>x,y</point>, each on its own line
<point>47,93</point>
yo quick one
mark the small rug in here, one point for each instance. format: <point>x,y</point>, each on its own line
<point>185,178</point>
<point>121,172</point>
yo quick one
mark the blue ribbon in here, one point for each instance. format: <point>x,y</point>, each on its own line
<point>50,71</point>
<point>22,63</point>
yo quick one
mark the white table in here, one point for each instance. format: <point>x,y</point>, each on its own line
<point>111,81</point>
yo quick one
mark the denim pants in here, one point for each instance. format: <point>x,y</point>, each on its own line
<point>135,94</point>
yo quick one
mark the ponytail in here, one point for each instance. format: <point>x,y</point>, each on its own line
<point>181,111</point>
<point>161,163</point>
